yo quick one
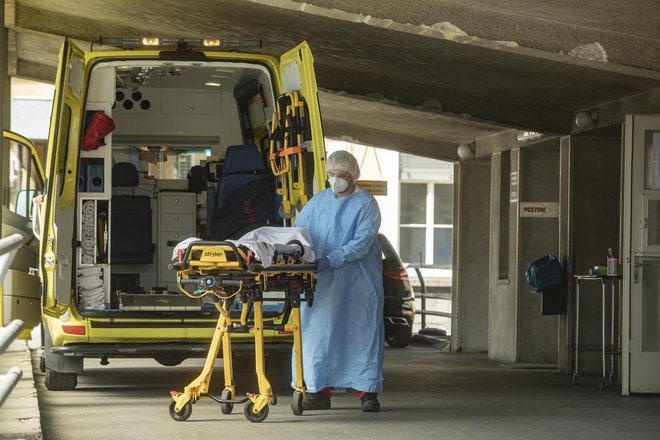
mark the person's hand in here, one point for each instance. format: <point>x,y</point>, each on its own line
<point>322,264</point>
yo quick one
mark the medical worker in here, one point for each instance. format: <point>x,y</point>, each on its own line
<point>343,332</point>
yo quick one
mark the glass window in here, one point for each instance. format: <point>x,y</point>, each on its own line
<point>413,203</point>
<point>652,160</point>
<point>162,162</point>
<point>443,204</point>
<point>23,180</point>
<point>412,244</point>
<point>442,246</point>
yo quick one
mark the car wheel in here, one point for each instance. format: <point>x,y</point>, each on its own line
<point>56,381</point>
<point>398,335</point>
<point>169,360</point>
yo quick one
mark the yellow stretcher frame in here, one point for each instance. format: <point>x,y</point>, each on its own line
<point>214,267</point>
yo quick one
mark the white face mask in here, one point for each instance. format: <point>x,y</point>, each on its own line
<point>338,184</point>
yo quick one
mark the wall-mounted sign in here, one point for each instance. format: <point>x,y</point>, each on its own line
<point>375,187</point>
<point>514,186</point>
<point>539,209</point>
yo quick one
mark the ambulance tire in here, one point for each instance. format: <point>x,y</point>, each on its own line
<point>56,381</point>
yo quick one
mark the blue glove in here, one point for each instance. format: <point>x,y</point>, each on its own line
<point>322,264</point>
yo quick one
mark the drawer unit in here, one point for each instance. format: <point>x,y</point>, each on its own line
<point>177,203</point>
<point>176,222</point>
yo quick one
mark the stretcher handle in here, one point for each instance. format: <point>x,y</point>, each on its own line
<point>188,281</point>
<point>186,256</point>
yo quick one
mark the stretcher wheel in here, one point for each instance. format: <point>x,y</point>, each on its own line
<point>297,403</point>
<point>226,408</point>
<point>251,416</point>
<point>181,415</point>
<point>286,214</point>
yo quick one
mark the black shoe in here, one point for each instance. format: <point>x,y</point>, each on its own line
<point>370,402</point>
<point>316,401</point>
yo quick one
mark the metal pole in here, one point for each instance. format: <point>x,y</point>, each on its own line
<point>8,247</point>
<point>8,382</point>
<point>9,333</point>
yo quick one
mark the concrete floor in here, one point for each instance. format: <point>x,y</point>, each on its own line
<point>429,394</point>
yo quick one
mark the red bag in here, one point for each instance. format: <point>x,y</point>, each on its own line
<point>99,127</point>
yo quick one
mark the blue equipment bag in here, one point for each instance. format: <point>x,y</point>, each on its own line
<point>544,272</point>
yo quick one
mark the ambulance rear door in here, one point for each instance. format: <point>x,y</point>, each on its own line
<point>61,171</point>
<point>297,70</point>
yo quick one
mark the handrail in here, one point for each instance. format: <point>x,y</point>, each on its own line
<point>423,295</point>
<point>8,383</point>
<point>9,333</point>
<point>8,247</point>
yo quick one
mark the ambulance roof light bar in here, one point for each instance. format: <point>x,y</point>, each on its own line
<point>182,43</point>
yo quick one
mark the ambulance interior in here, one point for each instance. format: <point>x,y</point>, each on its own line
<point>187,137</point>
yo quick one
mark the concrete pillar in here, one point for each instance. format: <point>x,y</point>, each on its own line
<point>502,310</point>
<point>518,331</point>
<point>470,271</point>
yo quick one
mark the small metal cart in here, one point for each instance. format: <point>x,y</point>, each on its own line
<point>613,349</point>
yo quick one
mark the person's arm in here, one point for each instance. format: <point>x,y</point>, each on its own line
<point>365,234</point>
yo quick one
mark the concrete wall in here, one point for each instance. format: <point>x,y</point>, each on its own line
<point>539,182</point>
<point>595,226</point>
<point>471,242</point>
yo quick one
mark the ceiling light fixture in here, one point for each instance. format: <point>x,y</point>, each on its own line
<point>585,119</point>
<point>465,151</point>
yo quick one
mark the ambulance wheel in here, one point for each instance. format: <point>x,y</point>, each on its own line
<point>56,381</point>
<point>226,408</point>
<point>181,415</point>
<point>251,416</point>
<point>297,403</point>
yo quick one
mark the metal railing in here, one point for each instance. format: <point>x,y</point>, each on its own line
<point>8,247</point>
<point>424,295</point>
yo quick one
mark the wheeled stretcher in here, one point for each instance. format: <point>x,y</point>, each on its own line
<point>230,272</point>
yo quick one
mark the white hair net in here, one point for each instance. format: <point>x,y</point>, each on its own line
<point>345,161</point>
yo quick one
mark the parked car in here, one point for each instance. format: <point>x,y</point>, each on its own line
<point>399,310</point>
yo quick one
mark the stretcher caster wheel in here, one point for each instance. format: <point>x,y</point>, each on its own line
<point>273,400</point>
<point>251,416</point>
<point>286,214</point>
<point>181,415</point>
<point>297,403</point>
<point>226,408</point>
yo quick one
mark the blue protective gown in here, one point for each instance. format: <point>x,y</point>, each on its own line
<point>343,332</point>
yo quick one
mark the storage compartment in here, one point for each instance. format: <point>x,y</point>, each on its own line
<point>94,232</point>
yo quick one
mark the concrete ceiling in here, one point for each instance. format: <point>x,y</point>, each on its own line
<point>420,76</point>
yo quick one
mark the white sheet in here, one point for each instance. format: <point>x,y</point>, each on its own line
<point>263,242</point>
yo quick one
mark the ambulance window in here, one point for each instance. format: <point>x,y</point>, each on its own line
<point>175,164</point>
<point>23,180</point>
<point>163,162</point>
